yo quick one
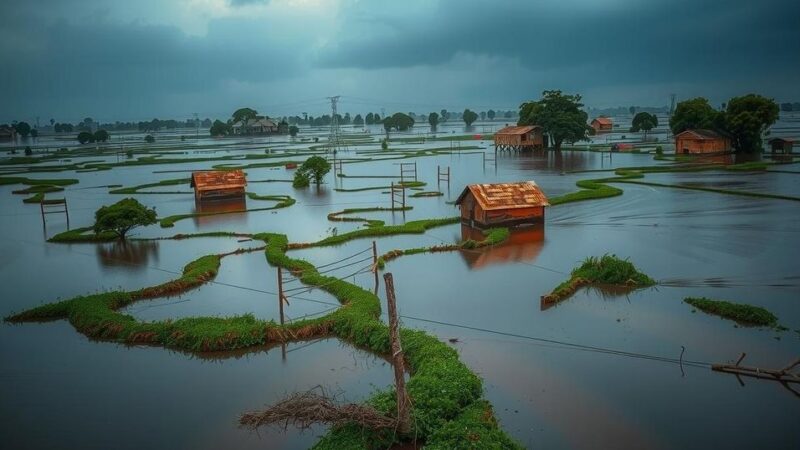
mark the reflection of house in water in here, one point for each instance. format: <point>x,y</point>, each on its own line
<point>218,209</point>
<point>524,244</point>
<point>502,204</point>
<point>214,184</point>
<point>134,255</point>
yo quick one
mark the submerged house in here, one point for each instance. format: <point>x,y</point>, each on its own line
<point>259,125</point>
<point>215,184</point>
<point>602,124</point>
<point>7,133</point>
<point>781,145</point>
<point>519,138</point>
<point>502,204</point>
<point>699,141</point>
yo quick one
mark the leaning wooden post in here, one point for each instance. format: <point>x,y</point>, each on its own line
<point>403,402</point>
<point>66,211</point>
<point>375,261</point>
<point>280,293</point>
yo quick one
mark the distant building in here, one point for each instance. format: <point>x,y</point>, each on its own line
<point>519,138</point>
<point>781,145</point>
<point>701,141</point>
<point>214,184</point>
<point>7,133</point>
<point>260,125</point>
<point>602,124</point>
<point>487,205</point>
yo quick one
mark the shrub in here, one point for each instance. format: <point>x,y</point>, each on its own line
<point>149,139</point>
<point>123,216</point>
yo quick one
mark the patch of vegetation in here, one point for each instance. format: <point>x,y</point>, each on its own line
<point>493,236</point>
<point>283,201</point>
<point>742,313</point>
<point>137,189</point>
<point>412,227</point>
<point>39,188</point>
<point>37,182</point>
<point>122,217</point>
<point>84,234</point>
<point>427,194</point>
<point>607,270</point>
<point>339,216</point>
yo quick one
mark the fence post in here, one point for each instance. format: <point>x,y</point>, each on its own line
<point>403,402</point>
<point>280,293</point>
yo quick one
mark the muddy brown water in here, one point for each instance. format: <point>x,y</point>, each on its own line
<point>61,390</point>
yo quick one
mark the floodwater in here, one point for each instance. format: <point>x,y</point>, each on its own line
<point>553,374</point>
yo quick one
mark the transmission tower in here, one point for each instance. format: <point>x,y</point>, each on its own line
<point>671,104</point>
<point>335,137</point>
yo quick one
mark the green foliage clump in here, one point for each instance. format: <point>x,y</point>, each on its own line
<point>220,128</point>
<point>740,312</point>
<point>314,168</point>
<point>644,121</point>
<point>149,139</point>
<point>606,270</point>
<point>747,118</point>
<point>85,137</point>
<point>469,117</point>
<point>301,180</point>
<point>694,113</point>
<point>123,216</point>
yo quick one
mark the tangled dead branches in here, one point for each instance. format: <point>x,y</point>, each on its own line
<point>303,409</point>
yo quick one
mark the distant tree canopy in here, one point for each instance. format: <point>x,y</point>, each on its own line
<point>491,114</point>
<point>85,137</point>
<point>694,113</point>
<point>433,119</point>
<point>149,139</point>
<point>632,110</point>
<point>244,115</point>
<point>34,133</point>
<point>219,128</point>
<point>23,129</point>
<point>358,120</point>
<point>314,168</point>
<point>101,136</point>
<point>293,130</point>
<point>370,119</point>
<point>749,117</point>
<point>483,115</point>
<point>559,115</point>
<point>63,128</point>
<point>122,217</point>
<point>643,121</point>
<point>399,121</point>
<point>469,117</point>
<point>444,115</point>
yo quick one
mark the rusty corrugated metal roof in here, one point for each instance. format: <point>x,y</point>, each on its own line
<point>218,179</point>
<point>703,134</point>
<point>517,129</point>
<point>603,120</point>
<point>524,194</point>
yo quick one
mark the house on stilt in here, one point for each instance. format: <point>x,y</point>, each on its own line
<point>502,204</point>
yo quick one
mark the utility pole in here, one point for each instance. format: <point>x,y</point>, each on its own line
<point>403,401</point>
<point>671,104</point>
<point>196,125</point>
<point>334,138</point>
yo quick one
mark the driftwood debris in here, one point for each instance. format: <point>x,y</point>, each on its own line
<point>785,375</point>
<point>304,409</point>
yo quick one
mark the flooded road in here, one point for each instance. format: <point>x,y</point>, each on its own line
<point>576,375</point>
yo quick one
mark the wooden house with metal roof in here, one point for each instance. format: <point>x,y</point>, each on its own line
<point>519,138</point>
<point>781,145</point>
<point>502,204</point>
<point>215,184</point>
<point>699,141</point>
<point>7,133</point>
<point>602,124</point>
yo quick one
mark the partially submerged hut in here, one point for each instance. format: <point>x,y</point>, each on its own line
<point>7,133</point>
<point>781,145</point>
<point>214,184</point>
<point>259,125</point>
<point>502,204</point>
<point>602,124</point>
<point>699,141</point>
<point>519,138</point>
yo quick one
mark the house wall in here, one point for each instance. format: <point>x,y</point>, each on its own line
<point>534,138</point>
<point>693,145</point>
<point>218,192</point>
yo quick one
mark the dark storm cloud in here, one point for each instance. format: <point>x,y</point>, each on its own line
<point>633,41</point>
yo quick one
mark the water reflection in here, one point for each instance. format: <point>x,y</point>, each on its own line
<point>524,244</point>
<point>135,255</point>
<point>218,208</point>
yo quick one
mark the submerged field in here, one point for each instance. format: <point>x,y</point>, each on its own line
<point>602,368</point>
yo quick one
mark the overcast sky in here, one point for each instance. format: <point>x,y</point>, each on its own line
<point>136,60</point>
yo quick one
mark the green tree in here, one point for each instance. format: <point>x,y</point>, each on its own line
<point>244,115</point>
<point>491,114</point>
<point>749,117</point>
<point>123,216</point>
<point>384,144</point>
<point>358,120</point>
<point>632,110</point>
<point>433,120</point>
<point>293,130</point>
<point>23,129</point>
<point>469,117</point>
<point>28,151</point>
<point>301,180</point>
<point>559,115</point>
<point>444,115</point>
<point>644,121</point>
<point>388,123</point>
<point>315,167</point>
<point>400,121</point>
<point>34,133</point>
<point>219,128</point>
<point>149,139</point>
<point>370,120</point>
<point>101,136</point>
<point>85,136</point>
<point>694,113</point>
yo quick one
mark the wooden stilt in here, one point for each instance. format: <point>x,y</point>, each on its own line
<point>403,401</point>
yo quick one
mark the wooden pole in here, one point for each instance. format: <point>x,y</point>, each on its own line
<point>375,261</point>
<point>403,402</point>
<point>66,211</point>
<point>280,293</point>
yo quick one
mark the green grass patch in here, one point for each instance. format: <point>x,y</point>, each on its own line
<point>427,194</point>
<point>607,270</point>
<point>283,201</point>
<point>138,189</point>
<point>412,227</point>
<point>740,312</point>
<point>84,234</point>
<point>493,236</point>
<point>340,216</point>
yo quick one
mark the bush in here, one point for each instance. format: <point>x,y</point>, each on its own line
<point>384,144</point>
<point>122,217</point>
<point>28,151</point>
<point>301,180</point>
<point>85,137</point>
<point>659,150</point>
<point>149,139</point>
